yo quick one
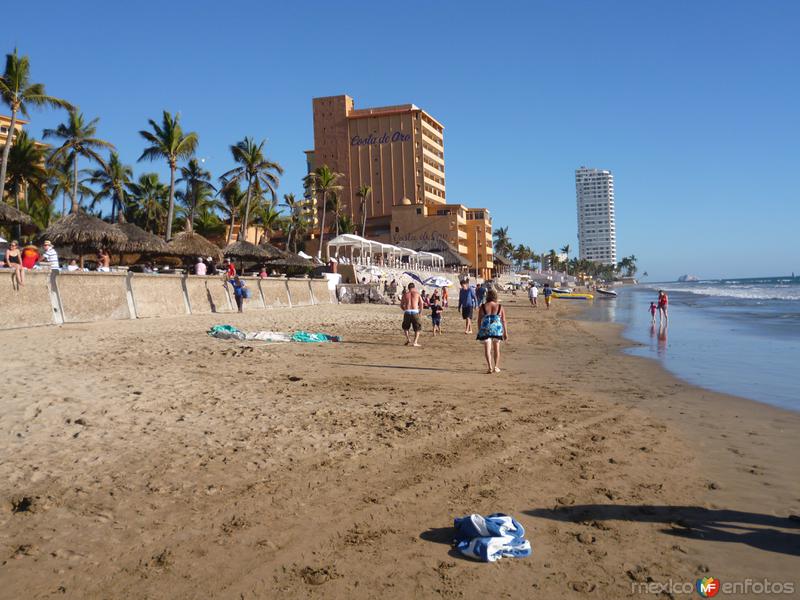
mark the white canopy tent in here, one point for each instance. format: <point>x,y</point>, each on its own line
<point>355,249</point>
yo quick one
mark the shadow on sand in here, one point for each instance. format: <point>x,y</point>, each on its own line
<point>765,532</point>
<point>443,535</point>
<point>399,367</point>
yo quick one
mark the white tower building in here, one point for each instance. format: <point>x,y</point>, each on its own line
<point>597,236</point>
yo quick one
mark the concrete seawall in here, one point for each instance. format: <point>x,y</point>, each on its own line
<point>55,298</point>
<point>93,296</point>
<point>29,305</point>
<point>207,295</point>
<point>275,293</point>
<point>158,295</point>
<point>299,292</point>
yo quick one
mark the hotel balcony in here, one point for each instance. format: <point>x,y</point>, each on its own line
<point>436,144</point>
<point>434,157</point>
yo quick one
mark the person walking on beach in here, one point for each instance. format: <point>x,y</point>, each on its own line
<point>466,304</point>
<point>239,292</point>
<point>480,293</point>
<point>412,307</point>
<point>436,313</point>
<point>653,309</point>
<point>547,292</point>
<point>444,297</point>
<point>533,293</point>
<point>663,301</point>
<point>492,329</point>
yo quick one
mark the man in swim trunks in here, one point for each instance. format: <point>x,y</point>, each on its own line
<point>412,307</point>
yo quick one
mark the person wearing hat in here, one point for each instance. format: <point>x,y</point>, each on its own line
<point>50,256</point>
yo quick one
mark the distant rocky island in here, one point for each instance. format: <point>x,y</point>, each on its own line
<point>684,278</point>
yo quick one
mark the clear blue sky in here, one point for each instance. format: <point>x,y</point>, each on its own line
<point>694,106</point>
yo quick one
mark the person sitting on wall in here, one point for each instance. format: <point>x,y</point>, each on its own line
<point>200,266</point>
<point>73,265</point>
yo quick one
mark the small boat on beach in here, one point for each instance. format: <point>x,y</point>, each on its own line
<point>607,293</point>
<point>572,296</point>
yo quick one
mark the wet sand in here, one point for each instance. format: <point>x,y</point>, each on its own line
<point>144,459</point>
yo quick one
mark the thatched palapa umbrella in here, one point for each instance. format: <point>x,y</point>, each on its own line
<point>189,244</point>
<point>11,216</point>
<point>288,259</point>
<point>138,241</point>
<point>84,233</point>
<point>246,251</point>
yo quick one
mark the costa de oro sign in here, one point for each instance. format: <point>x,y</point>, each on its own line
<point>386,138</point>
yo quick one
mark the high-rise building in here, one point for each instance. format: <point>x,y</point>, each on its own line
<point>396,150</point>
<point>597,236</point>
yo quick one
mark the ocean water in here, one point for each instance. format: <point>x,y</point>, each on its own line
<point>738,336</point>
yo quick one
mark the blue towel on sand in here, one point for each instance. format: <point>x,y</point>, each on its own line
<point>490,538</point>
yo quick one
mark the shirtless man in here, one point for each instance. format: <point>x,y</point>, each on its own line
<point>411,304</point>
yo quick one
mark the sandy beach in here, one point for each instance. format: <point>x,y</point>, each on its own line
<point>144,459</point>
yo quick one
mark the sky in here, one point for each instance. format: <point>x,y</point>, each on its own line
<point>694,106</point>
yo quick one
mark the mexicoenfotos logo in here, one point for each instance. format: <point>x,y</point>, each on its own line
<point>707,587</point>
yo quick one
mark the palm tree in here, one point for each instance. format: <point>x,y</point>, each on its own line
<point>168,141</point>
<point>231,202</point>
<point>148,210</point>
<point>364,192</point>
<point>322,181</point>
<point>291,203</point>
<point>26,172</point>
<point>254,168</point>
<point>270,219</point>
<point>78,140</point>
<point>337,208</point>
<point>565,249</point>
<point>553,258</point>
<point>198,188</point>
<point>502,243</point>
<point>113,178</point>
<point>207,221</point>
<point>17,91</point>
<point>345,224</point>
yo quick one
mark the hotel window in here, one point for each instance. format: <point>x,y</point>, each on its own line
<point>419,211</point>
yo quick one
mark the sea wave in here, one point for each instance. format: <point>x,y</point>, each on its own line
<point>745,292</point>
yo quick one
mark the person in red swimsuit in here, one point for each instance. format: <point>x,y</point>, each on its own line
<point>663,301</point>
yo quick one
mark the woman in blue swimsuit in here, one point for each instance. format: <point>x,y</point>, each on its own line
<point>493,328</point>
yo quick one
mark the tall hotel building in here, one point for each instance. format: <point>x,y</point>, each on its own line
<point>597,237</point>
<point>399,152</point>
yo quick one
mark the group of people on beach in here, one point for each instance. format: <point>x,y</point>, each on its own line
<point>492,326</point>
<point>29,258</point>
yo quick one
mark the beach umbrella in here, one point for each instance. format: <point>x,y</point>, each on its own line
<point>274,252</point>
<point>247,251</point>
<point>188,244</point>
<point>438,282</point>
<point>83,233</point>
<point>288,259</point>
<point>139,241</point>
<point>11,216</point>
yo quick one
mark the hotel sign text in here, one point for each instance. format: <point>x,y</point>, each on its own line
<point>386,138</point>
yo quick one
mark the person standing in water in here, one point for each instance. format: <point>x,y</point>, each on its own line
<point>492,329</point>
<point>663,301</point>
<point>653,309</point>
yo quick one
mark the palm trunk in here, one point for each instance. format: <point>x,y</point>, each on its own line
<point>322,227</point>
<point>230,229</point>
<point>7,150</point>
<point>16,201</point>
<point>171,210</point>
<point>75,205</point>
<point>243,226</point>
<point>364,217</point>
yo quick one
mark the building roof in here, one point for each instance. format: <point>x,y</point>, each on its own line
<point>499,258</point>
<point>441,247</point>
